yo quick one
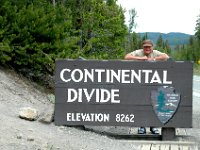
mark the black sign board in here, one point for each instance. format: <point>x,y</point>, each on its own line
<point>123,93</point>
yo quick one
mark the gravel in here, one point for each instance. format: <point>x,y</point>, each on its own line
<point>20,134</point>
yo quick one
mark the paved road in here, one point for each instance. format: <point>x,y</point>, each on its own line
<point>196,87</point>
<point>196,98</point>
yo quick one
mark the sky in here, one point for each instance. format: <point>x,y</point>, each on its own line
<point>163,15</point>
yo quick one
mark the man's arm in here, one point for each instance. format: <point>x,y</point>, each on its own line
<point>161,57</point>
<point>132,57</point>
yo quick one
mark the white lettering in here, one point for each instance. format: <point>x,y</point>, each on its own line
<point>99,73</point>
<point>88,117</point>
<point>147,72</point>
<point>80,73</point>
<point>165,78</point>
<point>88,95</point>
<point>115,93</point>
<point>62,75</point>
<point>89,75</point>
<point>69,95</point>
<point>107,76</point>
<point>95,95</point>
<point>118,76</point>
<point>80,95</point>
<point>105,96</point>
<point>115,75</point>
<point>137,76</point>
<point>125,74</point>
<point>155,78</point>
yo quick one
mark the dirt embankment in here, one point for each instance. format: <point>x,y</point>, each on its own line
<point>17,92</point>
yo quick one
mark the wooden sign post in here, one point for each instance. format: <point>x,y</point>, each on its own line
<point>124,93</point>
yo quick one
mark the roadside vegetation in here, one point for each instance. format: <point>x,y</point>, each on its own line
<point>197,70</point>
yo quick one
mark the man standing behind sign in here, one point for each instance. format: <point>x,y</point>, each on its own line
<point>147,54</point>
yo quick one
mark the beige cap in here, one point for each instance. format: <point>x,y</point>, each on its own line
<point>147,43</point>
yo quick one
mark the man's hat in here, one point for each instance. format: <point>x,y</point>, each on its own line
<point>147,43</point>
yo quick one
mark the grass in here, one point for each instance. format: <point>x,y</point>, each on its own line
<point>196,69</point>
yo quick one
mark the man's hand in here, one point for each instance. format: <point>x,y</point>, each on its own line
<point>152,59</point>
<point>143,58</point>
<point>131,57</point>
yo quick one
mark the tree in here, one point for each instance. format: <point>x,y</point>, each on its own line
<point>197,40</point>
<point>34,33</point>
<point>197,29</point>
<point>132,24</point>
<point>159,43</point>
<point>145,37</point>
<point>167,48</point>
<point>191,50</point>
<point>132,36</point>
<point>102,29</point>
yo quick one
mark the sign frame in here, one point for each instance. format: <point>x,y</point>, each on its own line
<point>129,101</point>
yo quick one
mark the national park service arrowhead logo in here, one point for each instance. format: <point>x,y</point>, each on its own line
<point>165,103</point>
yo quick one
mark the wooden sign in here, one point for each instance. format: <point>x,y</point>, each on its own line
<point>123,93</point>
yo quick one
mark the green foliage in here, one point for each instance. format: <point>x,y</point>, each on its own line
<point>197,29</point>
<point>132,24</point>
<point>132,38</point>
<point>196,69</point>
<point>159,42</point>
<point>101,28</point>
<point>191,51</point>
<point>163,45</point>
<point>173,38</point>
<point>145,36</point>
<point>33,34</point>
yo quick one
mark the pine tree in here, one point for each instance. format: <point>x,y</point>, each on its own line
<point>37,34</point>
<point>132,36</point>
<point>197,28</point>
<point>159,43</point>
<point>145,37</point>
<point>167,48</point>
<point>33,34</point>
<point>191,51</point>
<point>102,29</point>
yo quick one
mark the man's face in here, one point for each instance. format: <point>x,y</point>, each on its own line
<point>147,49</point>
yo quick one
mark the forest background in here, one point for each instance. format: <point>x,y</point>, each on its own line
<point>36,33</point>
